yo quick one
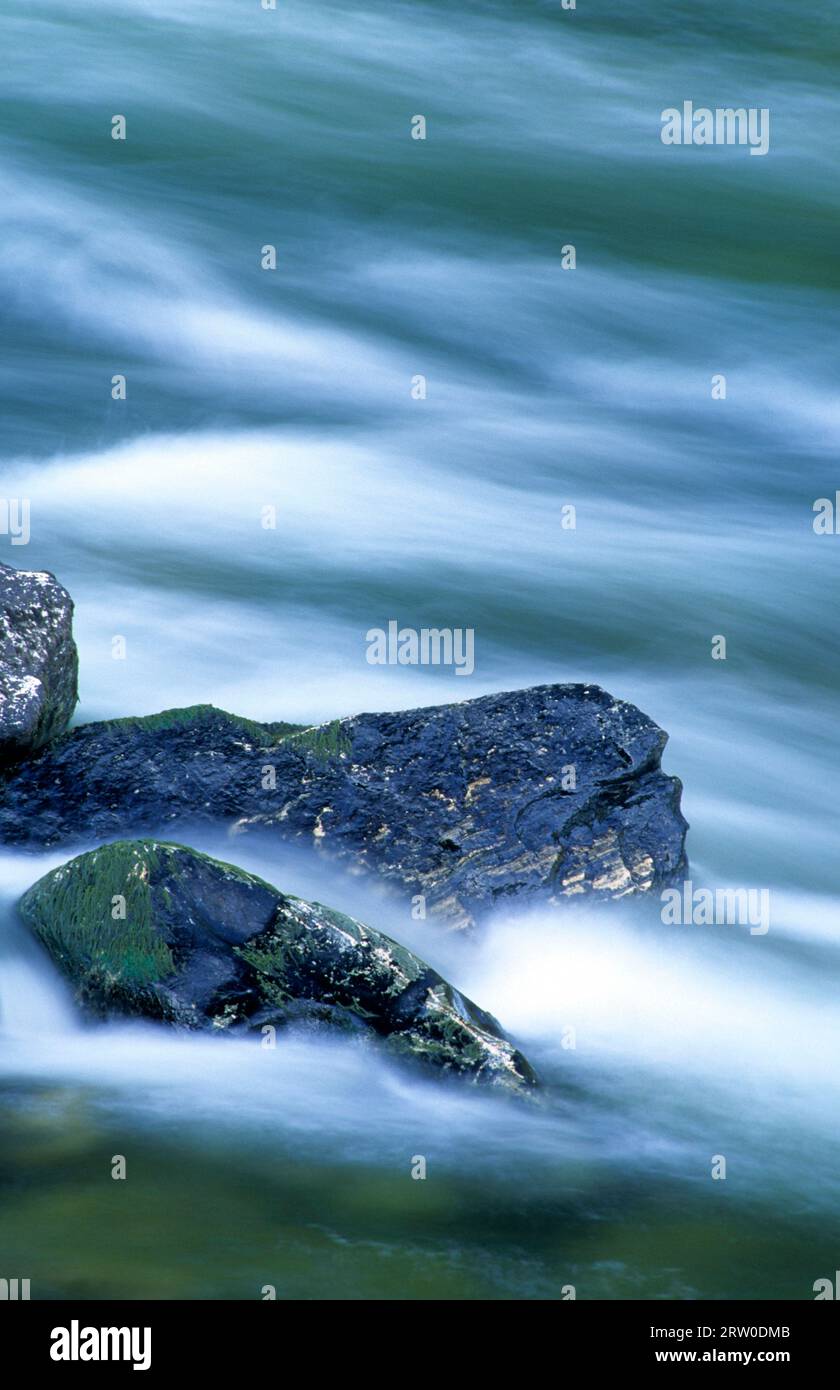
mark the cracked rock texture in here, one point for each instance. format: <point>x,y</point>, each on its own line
<point>38,661</point>
<point>554,793</point>
<point>156,930</point>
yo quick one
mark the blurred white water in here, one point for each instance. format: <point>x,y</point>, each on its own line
<point>35,1004</point>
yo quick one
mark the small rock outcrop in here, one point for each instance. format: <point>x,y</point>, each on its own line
<point>148,929</point>
<point>38,661</point>
<point>553,793</point>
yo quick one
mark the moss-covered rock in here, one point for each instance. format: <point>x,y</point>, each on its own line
<point>150,929</point>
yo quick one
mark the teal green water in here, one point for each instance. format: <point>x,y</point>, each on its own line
<point>291,389</point>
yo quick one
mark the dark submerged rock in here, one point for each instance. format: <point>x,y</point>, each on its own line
<point>205,945</point>
<point>38,661</point>
<point>467,804</point>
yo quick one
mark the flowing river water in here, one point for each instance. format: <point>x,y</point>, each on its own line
<point>250,389</point>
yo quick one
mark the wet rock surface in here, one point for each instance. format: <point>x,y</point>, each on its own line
<point>148,929</point>
<point>38,661</point>
<point>553,793</point>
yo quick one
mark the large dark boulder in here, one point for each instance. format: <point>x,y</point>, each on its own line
<point>143,928</point>
<point>552,793</point>
<point>38,661</point>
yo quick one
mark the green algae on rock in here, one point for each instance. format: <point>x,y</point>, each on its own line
<point>149,929</point>
<point>171,720</point>
<point>95,917</point>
